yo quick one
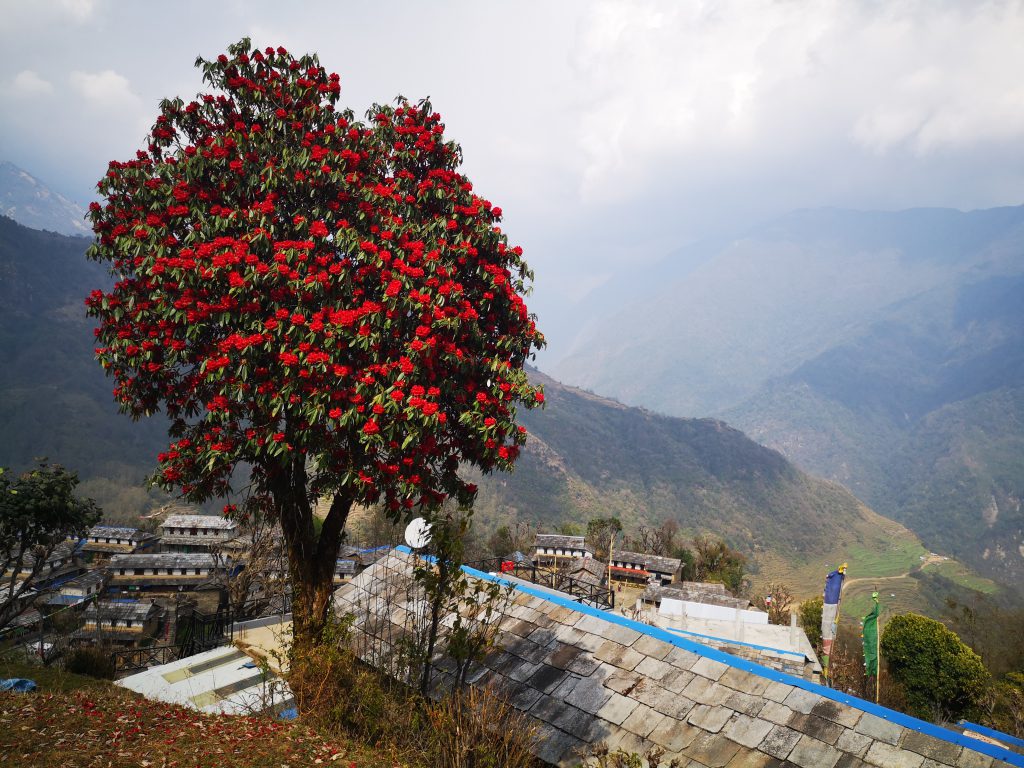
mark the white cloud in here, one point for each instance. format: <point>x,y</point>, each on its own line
<point>78,10</point>
<point>104,89</point>
<point>676,84</point>
<point>29,83</point>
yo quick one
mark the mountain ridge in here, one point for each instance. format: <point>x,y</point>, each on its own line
<point>29,201</point>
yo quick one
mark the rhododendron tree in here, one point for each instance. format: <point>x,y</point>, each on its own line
<point>324,309</point>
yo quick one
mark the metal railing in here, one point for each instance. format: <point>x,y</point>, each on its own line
<point>582,591</point>
<point>128,661</point>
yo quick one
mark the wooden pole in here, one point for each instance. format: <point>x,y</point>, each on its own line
<point>878,654</point>
<point>611,547</point>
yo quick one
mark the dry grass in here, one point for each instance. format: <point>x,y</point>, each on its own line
<point>114,729</point>
<point>77,722</point>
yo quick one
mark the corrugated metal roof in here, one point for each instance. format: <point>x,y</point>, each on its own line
<point>222,680</point>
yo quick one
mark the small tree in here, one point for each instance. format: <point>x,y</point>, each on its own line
<point>778,601</point>
<point>809,616</point>
<point>322,303</point>
<point>942,677</point>
<point>517,537</point>
<point>660,541</point>
<point>600,533</point>
<point>38,512</point>
<point>714,560</point>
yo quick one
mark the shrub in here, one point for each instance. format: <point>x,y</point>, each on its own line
<point>942,677</point>
<point>92,661</point>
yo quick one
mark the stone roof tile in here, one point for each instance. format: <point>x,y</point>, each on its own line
<point>779,742</point>
<point>879,729</point>
<point>887,756</point>
<point>811,753</point>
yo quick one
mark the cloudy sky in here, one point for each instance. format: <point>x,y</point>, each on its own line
<point>609,132</point>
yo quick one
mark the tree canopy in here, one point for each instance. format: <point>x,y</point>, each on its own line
<point>942,677</point>
<point>323,307</point>
<point>38,512</point>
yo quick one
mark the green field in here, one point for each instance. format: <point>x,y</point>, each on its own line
<point>895,557</point>
<point>957,572</point>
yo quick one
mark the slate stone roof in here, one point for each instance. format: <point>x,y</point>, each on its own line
<point>116,532</point>
<point>649,562</point>
<point>199,521</point>
<point>556,541</point>
<point>591,678</point>
<point>163,560</point>
<point>694,592</point>
<point>121,610</point>
<point>86,580</point>
<point>587,569</point>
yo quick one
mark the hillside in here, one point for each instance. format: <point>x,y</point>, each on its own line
<point>884,351</point>
<point>54,398</point>
<point>921,415</point>
<point>588,456</point>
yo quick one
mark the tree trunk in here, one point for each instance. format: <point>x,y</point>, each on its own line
<point>311,558</point>
<point>311,598</point>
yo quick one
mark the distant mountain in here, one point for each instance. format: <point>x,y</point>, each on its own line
<point>587,456</point>
<point>921,415</point>
<point>30,202</point>
<point>718,320</point>
<point>881,350</point>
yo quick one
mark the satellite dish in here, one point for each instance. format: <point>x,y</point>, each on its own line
<point>417,533</point>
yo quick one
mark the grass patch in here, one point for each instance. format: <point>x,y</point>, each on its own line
<point>894,557</point>
<point>958,573</point>
<point>900,595</point>
<point>53,679</point>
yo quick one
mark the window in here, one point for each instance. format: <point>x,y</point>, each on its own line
<point>140,571</point>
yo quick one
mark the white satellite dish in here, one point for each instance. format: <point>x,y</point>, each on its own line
<point>417,533</point>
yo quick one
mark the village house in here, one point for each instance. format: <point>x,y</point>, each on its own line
<point>161,572</point>
<point>556,551</point>
<point>196,533</point>
<point>641,568</point>
<point>102,541</point>
<point>80,588</point>
<point>121,622</point>
<point>62,562</point>
<point>343,571</point>
<point>588,570</point>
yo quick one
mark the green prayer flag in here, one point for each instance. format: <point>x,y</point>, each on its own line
<point>871,640</point>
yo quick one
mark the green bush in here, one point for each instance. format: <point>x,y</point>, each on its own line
<point>941,676</point>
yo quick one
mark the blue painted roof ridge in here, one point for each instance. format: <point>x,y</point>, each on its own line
<point>782,651</point>
<point>991,732</point>
<point>900,718</point>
